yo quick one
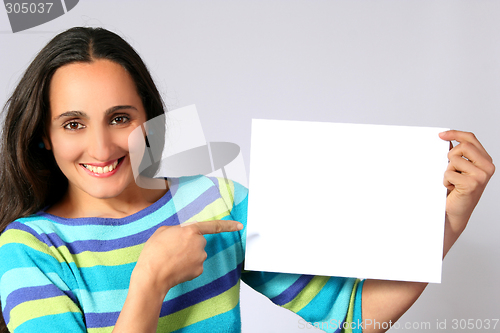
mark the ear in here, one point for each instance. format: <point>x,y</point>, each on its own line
<point>46,143</point>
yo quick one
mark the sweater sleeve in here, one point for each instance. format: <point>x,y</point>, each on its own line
<point>332,304</point>
<point>35,285</point>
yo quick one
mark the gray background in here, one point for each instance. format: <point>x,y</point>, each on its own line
<point>422,63</point>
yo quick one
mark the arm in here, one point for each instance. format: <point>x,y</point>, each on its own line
<point>172,255</point>
<point>468,172</point>
<point>35,285</point>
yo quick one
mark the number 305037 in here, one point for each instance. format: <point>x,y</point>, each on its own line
<point>28,7</point>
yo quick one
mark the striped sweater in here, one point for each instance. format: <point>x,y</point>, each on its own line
<point>72,275</point>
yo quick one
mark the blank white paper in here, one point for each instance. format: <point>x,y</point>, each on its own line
<point>350,200</point>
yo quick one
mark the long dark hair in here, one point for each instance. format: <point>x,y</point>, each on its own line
<point>29,176</point>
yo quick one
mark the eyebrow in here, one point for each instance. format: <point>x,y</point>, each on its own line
<point>82,114</point>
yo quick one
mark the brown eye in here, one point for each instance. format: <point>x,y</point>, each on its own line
<point>120,120</point>
<point>73,125</point>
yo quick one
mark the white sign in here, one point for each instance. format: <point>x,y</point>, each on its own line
<point>350,200</point>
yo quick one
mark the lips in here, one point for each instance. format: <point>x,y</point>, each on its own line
<point>103,169</point>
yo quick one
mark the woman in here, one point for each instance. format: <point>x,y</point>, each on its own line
<point>91,250</point>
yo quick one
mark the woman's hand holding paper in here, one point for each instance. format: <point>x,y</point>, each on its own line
<point>468,172</point>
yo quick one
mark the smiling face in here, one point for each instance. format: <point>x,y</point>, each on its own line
<point>93,109</point>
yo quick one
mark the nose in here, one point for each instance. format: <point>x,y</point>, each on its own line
<point>100,145</point>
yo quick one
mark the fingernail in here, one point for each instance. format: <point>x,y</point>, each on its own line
<point>239,226</point>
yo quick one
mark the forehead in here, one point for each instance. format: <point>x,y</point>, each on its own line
<point>98,85</point>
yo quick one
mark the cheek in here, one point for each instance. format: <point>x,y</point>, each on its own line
<point>122,138</point>
<point>66,149</point>
<point>136,148</point>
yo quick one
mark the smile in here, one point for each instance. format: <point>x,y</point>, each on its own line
<point>103,169</point>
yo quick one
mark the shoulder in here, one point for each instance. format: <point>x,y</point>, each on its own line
<point>25,242</point>
<point>235,197</point>
<point>220,196</point>
<point>228,189</point>
<point>27,232</point>
<point>29,224</point>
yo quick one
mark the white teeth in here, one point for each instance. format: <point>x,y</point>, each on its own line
<point>100,170</point>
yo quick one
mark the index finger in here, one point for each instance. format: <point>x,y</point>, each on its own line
<point>463,137</point>
<point>217,226</point>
